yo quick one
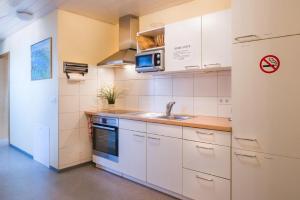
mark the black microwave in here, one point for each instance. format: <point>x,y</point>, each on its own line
<point>150,61</point>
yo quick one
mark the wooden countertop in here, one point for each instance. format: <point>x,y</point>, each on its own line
<point>205,122</point>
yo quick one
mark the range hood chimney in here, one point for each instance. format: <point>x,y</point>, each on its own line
<point>128,28</point>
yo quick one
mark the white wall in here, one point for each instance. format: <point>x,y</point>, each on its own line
<point>82,40</point>
<point>32,103</point>
<point>4,97</point>
<point>181,12</point>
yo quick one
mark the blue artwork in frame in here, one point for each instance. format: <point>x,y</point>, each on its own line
<point>41,60</point>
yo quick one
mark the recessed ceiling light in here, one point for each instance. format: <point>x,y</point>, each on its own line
<point>24,15</point>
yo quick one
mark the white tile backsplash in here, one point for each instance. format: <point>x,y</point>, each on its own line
<point>146,103</point>
<point>68,87</point>
<point>69,121</point>
<point>206,106</point>
<point>88,103</point>
<point>183,105</point>
<point>206,85</point>
<point>194,93</point>
<point>131,102</point>
<point>68,104</point>
<point>163,86</point>
<point>225,110</point>
<point>160,103</point>
<point>89,87</point>
<point>183,86</point>
<point>85,145</point>
<point>224,85</point>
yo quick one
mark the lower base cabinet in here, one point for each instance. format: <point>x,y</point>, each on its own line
<point>133,153</point>
<point>164,162</point>
<point>199,186</point>
<point>258,176</point>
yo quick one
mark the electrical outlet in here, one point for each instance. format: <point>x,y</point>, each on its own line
<point>224,100</point>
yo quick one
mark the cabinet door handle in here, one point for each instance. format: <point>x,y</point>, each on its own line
<point>246,38</point>
<point>153,138</point>
<point>192,67</point>
<point>202,133</point>
<point>213,64</point>
<point>205,179</point>
<point>246,139</point>
<point>208,148</point>
<point>245,155</point>
<point>141,136</point>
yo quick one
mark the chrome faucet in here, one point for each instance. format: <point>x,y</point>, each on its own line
<point>169,108</point>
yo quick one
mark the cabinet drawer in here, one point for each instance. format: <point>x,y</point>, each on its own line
<point>262,176</point>
<point>165,130</point>
<point>132,125</point>
<point>207,158</point>
<point>200,186</point>
<point>207,136</point>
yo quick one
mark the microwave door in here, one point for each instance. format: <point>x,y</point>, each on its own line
<point>144,61</point>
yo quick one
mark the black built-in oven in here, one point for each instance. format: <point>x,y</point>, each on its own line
<point>106,137</point>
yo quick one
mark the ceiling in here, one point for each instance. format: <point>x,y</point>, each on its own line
<point>110,10</point>
<point>104,10</point>
<point>9,23</point>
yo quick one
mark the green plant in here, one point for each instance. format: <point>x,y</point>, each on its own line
<point>109,93</point>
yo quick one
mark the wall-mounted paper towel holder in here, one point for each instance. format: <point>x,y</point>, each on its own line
<point>76,68</point>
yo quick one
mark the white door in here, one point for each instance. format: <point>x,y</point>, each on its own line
<point>257,176</point>
<point>183,45</point>
<point>217,39</point>
<point>132,148</point>
<point>254,19</point>
<point>266,106</point>
<point>164,162</point>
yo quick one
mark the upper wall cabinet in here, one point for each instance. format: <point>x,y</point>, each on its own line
<point>216,39</point>
<point>257,19</point>
<point>183,45</point>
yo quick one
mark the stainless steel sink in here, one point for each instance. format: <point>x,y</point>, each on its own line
<point>175,117</point>
<point>162,116</point>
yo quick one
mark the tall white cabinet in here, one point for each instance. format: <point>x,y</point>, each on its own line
<point>257,19</point>
<point>266,152</point>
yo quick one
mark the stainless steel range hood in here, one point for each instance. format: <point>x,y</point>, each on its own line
<point>128,28</point>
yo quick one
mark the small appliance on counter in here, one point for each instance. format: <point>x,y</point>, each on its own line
<point>105,132</point>
<point>150,61</point>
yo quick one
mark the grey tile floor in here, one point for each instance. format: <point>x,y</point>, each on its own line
<point>21,178</point>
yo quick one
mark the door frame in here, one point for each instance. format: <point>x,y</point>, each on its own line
<point>7,54</point>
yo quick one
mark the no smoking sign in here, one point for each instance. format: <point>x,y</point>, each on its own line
<point>269,64</point>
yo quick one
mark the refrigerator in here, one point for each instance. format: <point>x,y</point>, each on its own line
<point>266,119</point>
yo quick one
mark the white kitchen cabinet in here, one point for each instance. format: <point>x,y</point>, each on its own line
<point>183,45</point>
<point>199,186</point>
<point>257,19</point>
<point>264,177</point>
<point>217,40</point>
<point>132,151</point>
<point>266,107</point>
<point>207,136</point>
<point>207,158</point>
<point>164,162</point>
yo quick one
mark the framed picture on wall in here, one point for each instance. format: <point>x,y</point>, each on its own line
<point>41,60</point>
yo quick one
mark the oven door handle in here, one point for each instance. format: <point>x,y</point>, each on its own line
<point>103,127</point>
